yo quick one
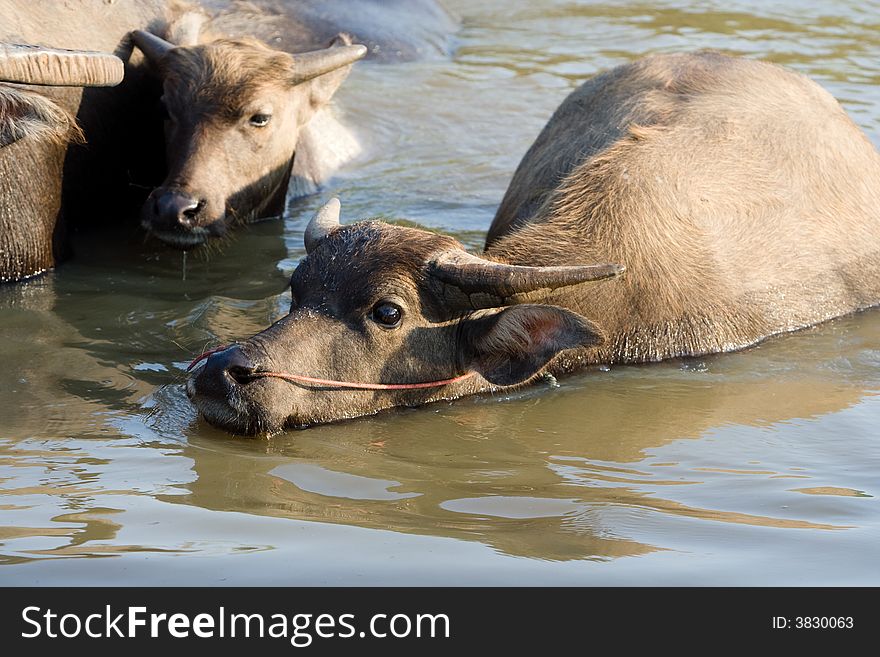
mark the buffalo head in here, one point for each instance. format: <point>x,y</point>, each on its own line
<point>234,109</point>
<point>375,303</point>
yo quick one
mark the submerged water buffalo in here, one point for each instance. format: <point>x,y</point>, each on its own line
<point>245,121</point>
<point>237,113</point>
<point>35,131</point>
<point>740,198</point>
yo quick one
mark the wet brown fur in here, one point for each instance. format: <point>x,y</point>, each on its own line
<point>49,182</point>
<point>219,76</point>
<point>741,198</point>
<point>29,115</point>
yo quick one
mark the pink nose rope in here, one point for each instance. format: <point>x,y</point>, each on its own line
<point>298,378</point>
<point>204,355</point>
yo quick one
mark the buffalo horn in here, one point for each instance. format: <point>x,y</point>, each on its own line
<point>310,65</point>
<point>471,274</point>
<point>324,221</point>
<point>153,47</point>
<point>58,67</point>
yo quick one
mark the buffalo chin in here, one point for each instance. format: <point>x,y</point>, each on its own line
<point>224,417</point>
<point>186,239</point>
<point>180,240</point>
<point>253,421</point>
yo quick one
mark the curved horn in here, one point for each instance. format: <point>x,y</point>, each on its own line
<point>153,47</point>
<point>310,65</point>
<point>324,221</point>
<point>472,274</point>
<point>58,67</point>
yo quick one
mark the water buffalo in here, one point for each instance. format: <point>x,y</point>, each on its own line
<point>245,121</point>
<point>237,113</point>
<point>741,199</point>
<point>34,134</point>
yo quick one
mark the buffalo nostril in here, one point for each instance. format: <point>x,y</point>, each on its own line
<point>223,372</point>
<point>237,366</point>
<point>186,210</point>
<point>176,209</point>
<point>242,374</point>
<point>192,211</point>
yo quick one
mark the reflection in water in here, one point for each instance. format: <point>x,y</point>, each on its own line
<point>534,476</point>
<point>755,467</point>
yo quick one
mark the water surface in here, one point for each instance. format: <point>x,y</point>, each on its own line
<point>759,467</point>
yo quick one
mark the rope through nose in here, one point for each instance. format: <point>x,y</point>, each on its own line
<point>204,355</point>
<point>299,378</point>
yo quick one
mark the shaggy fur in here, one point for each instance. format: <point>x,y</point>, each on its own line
<point>218,79</point>
<point>26,115</point>
<point>47,179</point>
<point>741,198</point>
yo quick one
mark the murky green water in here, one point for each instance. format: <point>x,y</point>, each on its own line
<point>759,467</point>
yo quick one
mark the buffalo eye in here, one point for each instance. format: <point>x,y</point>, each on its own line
<point>387,315</point>
<point>260,120</point>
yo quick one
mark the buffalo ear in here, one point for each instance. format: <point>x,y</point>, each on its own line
<point>512,345</point>
<point>320,89</point>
